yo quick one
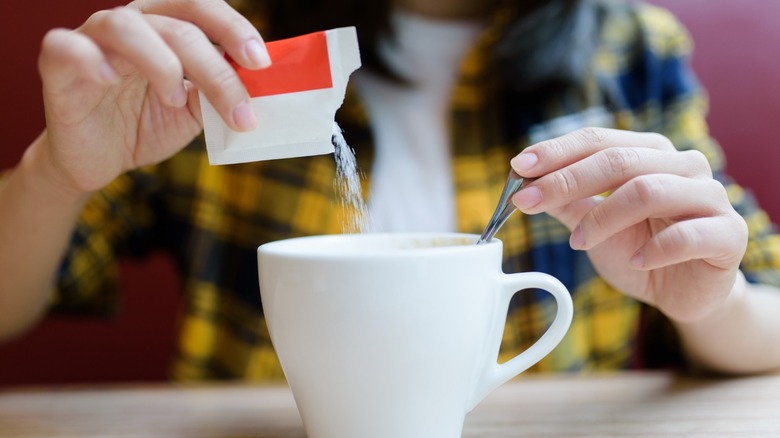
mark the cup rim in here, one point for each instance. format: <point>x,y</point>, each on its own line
<point>291,246</point>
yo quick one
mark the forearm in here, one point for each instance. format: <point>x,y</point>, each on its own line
<point>742,337</point>
<point>36,220</point>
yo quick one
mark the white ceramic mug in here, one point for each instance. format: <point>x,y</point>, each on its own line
<point>394,335</point>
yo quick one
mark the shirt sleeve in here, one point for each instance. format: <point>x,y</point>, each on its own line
<point>118,221</point>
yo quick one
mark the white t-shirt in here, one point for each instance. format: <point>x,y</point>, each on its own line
<point>412,188</point>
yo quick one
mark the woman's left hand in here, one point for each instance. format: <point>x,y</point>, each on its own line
<point>666,234</point>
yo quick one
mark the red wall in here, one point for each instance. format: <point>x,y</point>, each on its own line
<point>736,59</point>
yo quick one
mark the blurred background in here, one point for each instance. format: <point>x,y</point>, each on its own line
<point>736,59</point>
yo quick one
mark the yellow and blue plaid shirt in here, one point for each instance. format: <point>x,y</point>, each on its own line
<point>212,218</point>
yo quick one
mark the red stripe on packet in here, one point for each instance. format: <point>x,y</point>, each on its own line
<point>298,64</point>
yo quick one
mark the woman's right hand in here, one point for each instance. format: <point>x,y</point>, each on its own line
<point>115,92</point>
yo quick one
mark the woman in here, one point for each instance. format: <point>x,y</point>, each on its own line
<point>452,94</point>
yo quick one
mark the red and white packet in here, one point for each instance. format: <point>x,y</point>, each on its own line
<point>295,100</point>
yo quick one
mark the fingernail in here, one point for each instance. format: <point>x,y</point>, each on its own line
<point>577,240</point>
<point>179,98</point>
<point>244,117</point>
<point>524,161</point>
<point>107,73</point>
<point>637,261</point>
<point>527,198</point>
<point>258,54</point>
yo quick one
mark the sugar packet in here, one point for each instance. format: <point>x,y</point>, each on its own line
<point>294,100</point>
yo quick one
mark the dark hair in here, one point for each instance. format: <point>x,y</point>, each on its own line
<point>545,42</point>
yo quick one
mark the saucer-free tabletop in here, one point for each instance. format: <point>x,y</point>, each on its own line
<point>621,404</point>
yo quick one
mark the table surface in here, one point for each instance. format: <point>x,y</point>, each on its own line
<point>622,404</point>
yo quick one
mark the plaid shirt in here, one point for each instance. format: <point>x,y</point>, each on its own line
<point>212,218</point>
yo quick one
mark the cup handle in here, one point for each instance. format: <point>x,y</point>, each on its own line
<point>495,374</point>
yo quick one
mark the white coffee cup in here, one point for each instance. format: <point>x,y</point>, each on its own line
<point>394,335</point>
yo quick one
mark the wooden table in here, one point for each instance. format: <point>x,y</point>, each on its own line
<point>643,404</point>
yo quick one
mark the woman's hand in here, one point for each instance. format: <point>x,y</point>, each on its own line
<point>115,91</point>
<point>666,234</point>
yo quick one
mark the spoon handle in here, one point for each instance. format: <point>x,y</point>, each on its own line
<point>504,209</point>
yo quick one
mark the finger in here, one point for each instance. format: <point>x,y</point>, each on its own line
<point>193,102</point>
<point>609,169</point>
<point>208,70</point>
<point>556,153</point>
<point>126,33</point>
<point>658,196</point>
<point>67,56</point>
<point>221,23</point>
<point>719,241</point>
<point>571,214</point>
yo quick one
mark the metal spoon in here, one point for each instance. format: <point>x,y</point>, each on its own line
<point>505,207</point>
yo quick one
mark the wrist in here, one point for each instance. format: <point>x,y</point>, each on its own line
<point>734,301</point>
<point>40,175</point>
<point>740,336</point>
